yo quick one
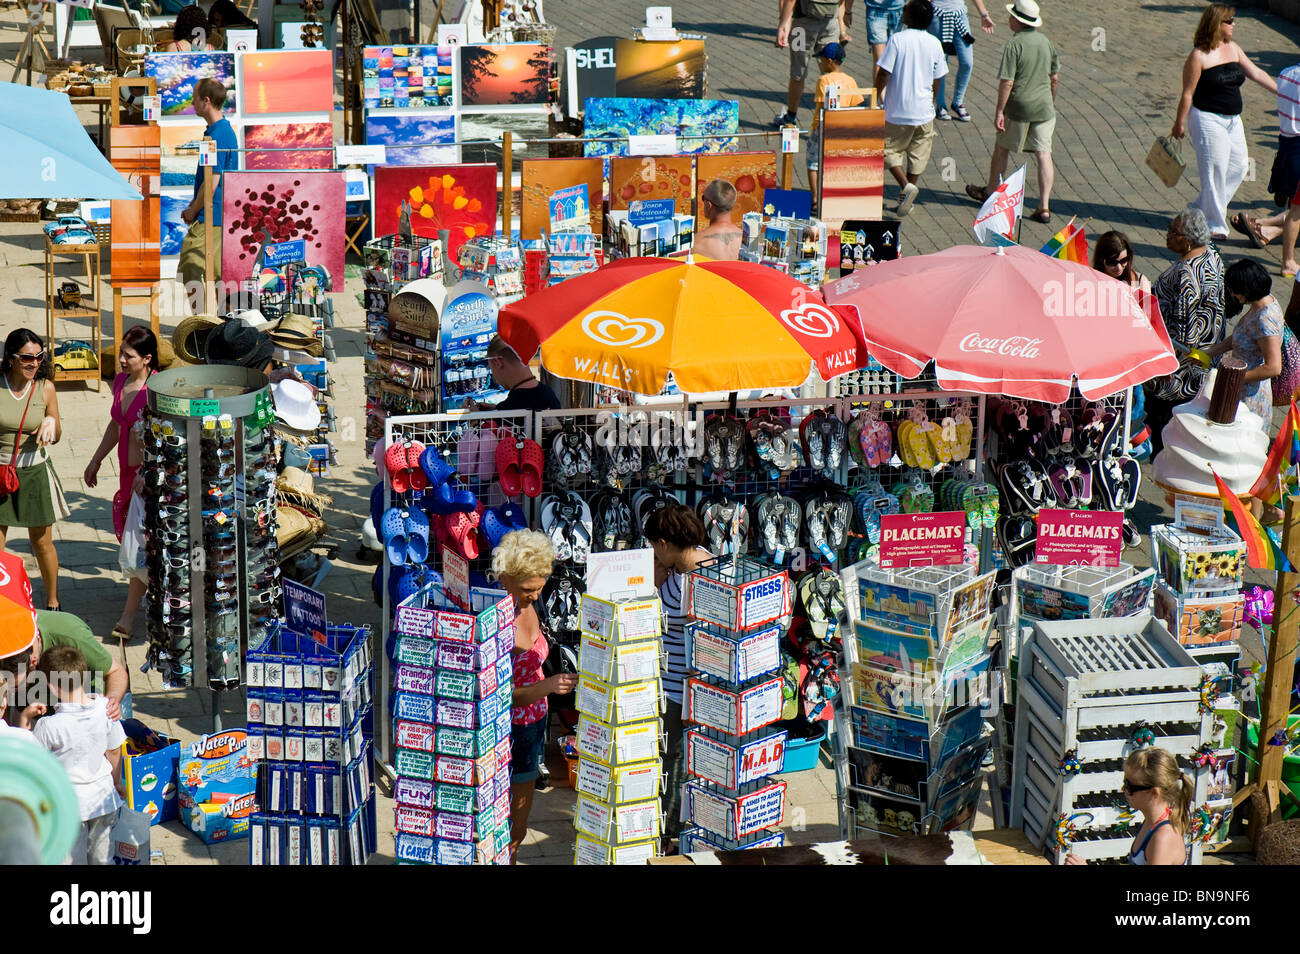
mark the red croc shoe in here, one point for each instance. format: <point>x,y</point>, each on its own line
<point>417,478</point>
<point>399,468</point>
<point>532,463</point>
<point>508,465</point>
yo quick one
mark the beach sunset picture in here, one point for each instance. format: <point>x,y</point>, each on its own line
<point>853,166</point>
<point>311,146</point>
<point>505,74</point>
<point>288,81</point>
<point>659,70</point>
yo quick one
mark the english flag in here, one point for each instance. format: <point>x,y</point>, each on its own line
<point>1001,210</point>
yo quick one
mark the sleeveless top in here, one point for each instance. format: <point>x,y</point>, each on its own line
<point>1219,89</point>
<point>526,671</point>
<point>11,414</point>
<point>1139,855</point>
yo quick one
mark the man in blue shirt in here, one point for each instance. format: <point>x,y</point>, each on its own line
<point>209,97</point>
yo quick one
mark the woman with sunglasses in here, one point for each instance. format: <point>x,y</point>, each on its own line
<point>1210,111</point>
<point>1156,787</point>
<point>1113,256</point>
<point>30,405</point>
<point>137,359</point>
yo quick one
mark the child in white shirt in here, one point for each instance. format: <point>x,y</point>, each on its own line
<point>80,734</point>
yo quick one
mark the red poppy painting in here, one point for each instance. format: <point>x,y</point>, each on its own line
<point>460,198</point>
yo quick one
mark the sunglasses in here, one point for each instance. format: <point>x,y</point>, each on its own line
<point>31,358</point>
<point>1230,20</point>
<point>1117,260</point>
<point>270,596</point>
<point>1132,789</point>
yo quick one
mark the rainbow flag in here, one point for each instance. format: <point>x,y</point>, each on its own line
<point>1272,486</point>
<point>1262,549</point>
<point>1070,244</point>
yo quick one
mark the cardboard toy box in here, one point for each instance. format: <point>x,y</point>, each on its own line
<point>217,786</point>
<point>149,768</point>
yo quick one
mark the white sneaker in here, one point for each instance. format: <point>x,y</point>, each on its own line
<point>906,198</point>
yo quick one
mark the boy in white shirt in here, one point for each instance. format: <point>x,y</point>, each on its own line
<point>80,734</point>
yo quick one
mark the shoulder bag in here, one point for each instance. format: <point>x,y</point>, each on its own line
<point>8,472</point>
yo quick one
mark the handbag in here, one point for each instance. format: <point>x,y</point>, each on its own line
<point>8,472</point>
<point>1288,379</point>
<point>1166,160</point>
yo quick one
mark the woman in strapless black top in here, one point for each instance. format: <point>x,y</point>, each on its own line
<point>1210,111</point>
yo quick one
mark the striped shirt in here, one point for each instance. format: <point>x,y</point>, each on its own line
<point>674,594</point>
<point>1288,102</point>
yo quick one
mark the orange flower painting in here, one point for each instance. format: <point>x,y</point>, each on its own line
<point>459,198</point>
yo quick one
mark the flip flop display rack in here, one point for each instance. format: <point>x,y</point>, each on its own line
<point>1074,456</point>
<point>917,685</point>
<point>1089,693</point>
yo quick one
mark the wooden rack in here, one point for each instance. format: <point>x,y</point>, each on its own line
<point>88,307</point>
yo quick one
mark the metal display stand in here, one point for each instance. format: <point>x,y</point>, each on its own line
<point>190,399</point>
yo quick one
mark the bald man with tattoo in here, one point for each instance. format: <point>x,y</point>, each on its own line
<point>720,239</point>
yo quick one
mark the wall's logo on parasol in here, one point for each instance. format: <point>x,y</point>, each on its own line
<point>1016,346</point>
<point>812,319</point>
<point>619,331</point>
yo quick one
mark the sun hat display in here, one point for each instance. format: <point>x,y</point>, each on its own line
<point>296,333</point>
<point>189,341</point>
<point>236,343</point>
<point>295,405</point>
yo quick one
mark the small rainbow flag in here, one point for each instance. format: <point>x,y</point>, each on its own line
<point>1262,549</point>
<point>1070,244</point>
<point>1272,485</point>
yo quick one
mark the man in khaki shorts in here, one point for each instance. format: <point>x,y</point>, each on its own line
<point>907,78</point>
<point>806,26</point>
<point>1026,112</point>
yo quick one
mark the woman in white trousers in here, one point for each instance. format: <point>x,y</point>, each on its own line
<point>1210,109</point>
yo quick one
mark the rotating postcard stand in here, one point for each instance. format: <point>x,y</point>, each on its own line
<point>210,524</point>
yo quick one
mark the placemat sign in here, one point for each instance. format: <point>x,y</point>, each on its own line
<point>1079,537</point>
<point>922,539</point>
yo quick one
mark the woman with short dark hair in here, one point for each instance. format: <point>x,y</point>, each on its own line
<point>1257,339</point>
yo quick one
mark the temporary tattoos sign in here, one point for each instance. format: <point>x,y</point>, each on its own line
<point>1079,537</point>
<point>922,539</point>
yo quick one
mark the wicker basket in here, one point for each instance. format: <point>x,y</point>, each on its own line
<point>535,33</point>
<point>7,216</point>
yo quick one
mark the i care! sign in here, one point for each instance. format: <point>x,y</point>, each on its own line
<point>1079,537</point>
<point>922,539</point>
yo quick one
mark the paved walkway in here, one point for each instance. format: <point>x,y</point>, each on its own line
<point>1113,102</point>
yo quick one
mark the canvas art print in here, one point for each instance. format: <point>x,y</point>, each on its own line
<point>650,70</point>
<point>408,77</point>
<point>505,74</point>
<point>173,227</point>
<point>750,172</point>
<point>636,178</point>
<point>459,198</point>
<point>523,125</point>
<point>289,205</point>
<point>287,81</point>
<point>423,138</point>
<point>180,153</point>
<point>312,146</point>
<point>176,74</point>
<point>716,119</point>
<point>135,152</point>
<point>853,166</point>
<point>542,178</point>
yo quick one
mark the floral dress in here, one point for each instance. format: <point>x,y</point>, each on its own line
<point>1256,324</point>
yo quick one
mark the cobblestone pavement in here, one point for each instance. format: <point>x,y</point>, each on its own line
<point>1120,69</point>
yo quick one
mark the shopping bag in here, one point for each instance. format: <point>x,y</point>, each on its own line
<point>1165,160</point>
<point>130,554</point>
<point>130,838</point>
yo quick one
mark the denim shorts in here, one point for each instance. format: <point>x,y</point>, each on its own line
<point>526,744</point>
<point>882,24</point>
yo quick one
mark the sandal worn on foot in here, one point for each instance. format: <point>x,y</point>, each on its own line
<point>1041,215</point>
<point>977,192</point>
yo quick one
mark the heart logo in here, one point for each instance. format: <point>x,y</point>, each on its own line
<point>618,331</point>
<point>812,319</point>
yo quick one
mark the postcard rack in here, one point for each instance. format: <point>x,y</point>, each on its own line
<point>1090,693</point>
<point>739,608</point>
<point>1054,593</point>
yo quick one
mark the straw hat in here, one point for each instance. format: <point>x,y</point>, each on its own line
<point>297,481</point>
<point>191,337</point>
<point>297,333</point>
<point>291,527</point>
<point>295,405</point>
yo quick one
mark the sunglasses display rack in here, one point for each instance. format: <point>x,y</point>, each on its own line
<point>619,702</point>
<point>210,540</point>
<point>464,508</point>
<point>310,732</point>
<point>739,608</point>
<point>450,712</point>
<point>917,686</point>
<point>1091,692</point>
<point>1073,456</point>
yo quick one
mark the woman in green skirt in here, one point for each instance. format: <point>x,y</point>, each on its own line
<point>28,403</point>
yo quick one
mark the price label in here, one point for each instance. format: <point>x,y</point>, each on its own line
<point>660,145</point>
<point>207,153</point>
<point>152,108</point>
<point>366,155</point>
<point>789,138</point>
